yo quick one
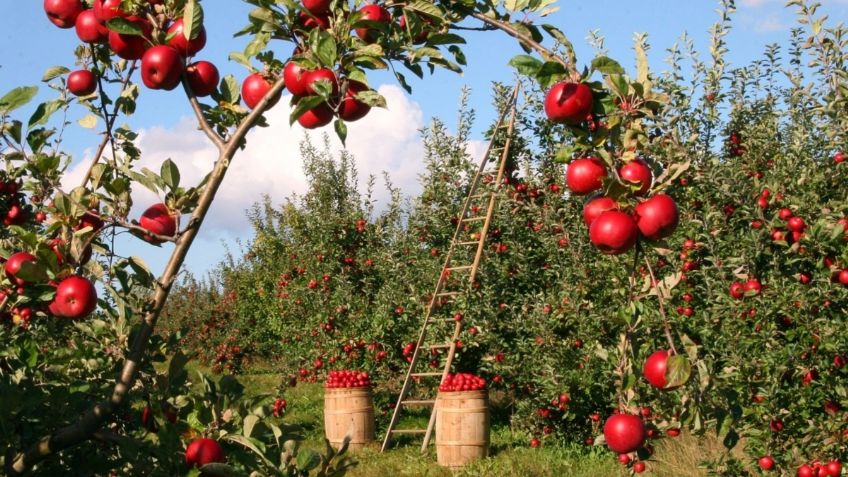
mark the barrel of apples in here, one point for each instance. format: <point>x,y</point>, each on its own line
<point>462,420</point>
<point>348,409</point>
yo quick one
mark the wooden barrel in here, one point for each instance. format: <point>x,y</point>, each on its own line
<point>349,410</point>
<point>462,427</point>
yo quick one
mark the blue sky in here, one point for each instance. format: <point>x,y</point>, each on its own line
<point>384,141</point>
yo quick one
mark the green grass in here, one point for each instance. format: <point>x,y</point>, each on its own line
<point>510,454</point>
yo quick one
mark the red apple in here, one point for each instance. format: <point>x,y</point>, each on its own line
<point>89,29</point>
<point>131,47</point>
<point>657,217</point>
<point>13,266</point>
<point>596,206</point>
<point>203,451</point>
<point>753,285</point>
<point>76,298</point>
<point>585,175</point>
<point>796,224</point>
<point>834,468</point>
<point>160,220</point>
<point>638,467</point>
<point>82,83</point>
<point>624,433</point>
<point>254,88</point>
<point>842,276</point>
<point>785,213</point>
<point>655,369</point>
<point>638,173</point>
<point>839,157</point>
<point>613,232</point>
<point>316,117</point>
<point>183,45</point>
<point>295,78</point>
<point>805,471</point>
<point>350,108</point>
<point>317,6</point>
<point>63,13</point>
<point>568,103</point>
<point>766,462</point>
<point>162,67</point>
<point>202,77</point>
<point>105,10</point>
<point>321,20</point>
<point>374,13</point>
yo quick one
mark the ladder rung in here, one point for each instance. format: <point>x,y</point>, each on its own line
<point>408,431</point>
<point>439,346</point>
<point>461,267</point>
<point>426,374</point>
<point>419,402</point>
<point>474,242</point>
<point>448,293</point>
<point>474,219</point>
<point>477,196</point>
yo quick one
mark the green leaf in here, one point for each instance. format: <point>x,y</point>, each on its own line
<point>248,424</point>
<point>170,174</point>
<point>16,98</point>
<point>325,48</point>
<point>230,91</point>
<point>54,72</point>
<point>678,371</point>
<point>44,111</point>
<point>305,104</point>
<point>607,66</point>
<point>32,272</point>
<point>124,27</point>
<point>307,460</point>
<point>88,122</point>
<point>192,19</point>
<point>526,64</point>
<point>341,130</point>
<point>221,470</point>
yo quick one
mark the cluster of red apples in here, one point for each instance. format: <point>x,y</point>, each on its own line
<point>346,378</point>
<point>164,50</point>
<point>462,382</point>
<point>612,229</point>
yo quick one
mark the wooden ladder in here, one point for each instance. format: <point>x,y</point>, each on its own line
<point>442,292</point>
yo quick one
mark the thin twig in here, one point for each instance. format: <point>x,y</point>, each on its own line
<point>666,325</point>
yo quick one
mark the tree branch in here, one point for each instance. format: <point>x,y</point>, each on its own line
<point>93,419</point>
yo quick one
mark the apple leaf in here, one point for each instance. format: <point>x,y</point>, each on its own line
<point>526,64</point>
<point>16,98</point>
<point>229,89</point>
<point>307,460</point>
<point>124,26</point>
<point>341,130</point>
<point>607,66</point>
<point>192,19</point>
<point>54,72</point>
<point>445,39</point>
<point>324,47</point>
<point>305,104</point>
<point>32,272</point>
<point>170,174</point>
<point>678,371</point>
<point>222,470</point>
<point>88,122</point>
<point>427,8</point>
<point>13,129</point>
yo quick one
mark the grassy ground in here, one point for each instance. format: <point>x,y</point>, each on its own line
<point>509,453</point>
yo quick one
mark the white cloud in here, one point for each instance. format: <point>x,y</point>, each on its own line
<point>385,140</point>
<point>770,23</point>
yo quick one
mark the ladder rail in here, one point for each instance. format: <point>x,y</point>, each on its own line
<point>444,273</point>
